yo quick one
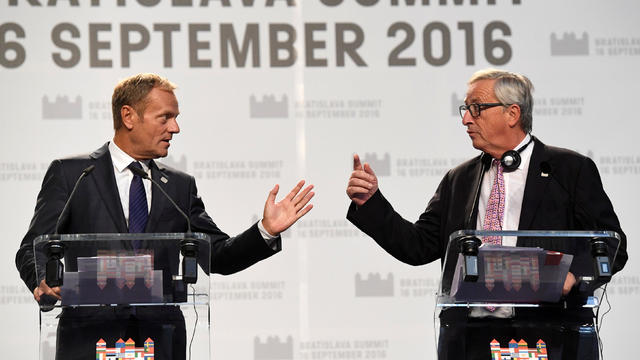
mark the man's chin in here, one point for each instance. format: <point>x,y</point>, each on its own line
<point>161,154</point>
<point>478,145</point>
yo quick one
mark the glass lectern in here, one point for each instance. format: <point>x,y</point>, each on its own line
<point>125,296</point>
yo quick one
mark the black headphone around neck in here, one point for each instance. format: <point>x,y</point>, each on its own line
<point>511,159</point>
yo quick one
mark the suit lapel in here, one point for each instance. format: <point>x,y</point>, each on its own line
<point>535,187</point>
<point>105,182</point>
<point>158,199</point>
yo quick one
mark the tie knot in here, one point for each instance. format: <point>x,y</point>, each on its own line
<point>497,163</point>
<point>136,168</point>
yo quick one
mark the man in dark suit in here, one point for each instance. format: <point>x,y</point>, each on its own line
<point>549,189</point>
<point>145,110</point>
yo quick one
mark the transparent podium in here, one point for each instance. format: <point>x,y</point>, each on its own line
<point>506,302</point>
<point>125,296</point>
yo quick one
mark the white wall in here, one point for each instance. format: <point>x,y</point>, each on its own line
<point>585,101</point>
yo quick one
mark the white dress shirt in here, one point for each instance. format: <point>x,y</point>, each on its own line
<point>121,161</point>
<point>514,183</point>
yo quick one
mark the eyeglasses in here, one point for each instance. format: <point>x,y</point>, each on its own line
<point>475,109</point>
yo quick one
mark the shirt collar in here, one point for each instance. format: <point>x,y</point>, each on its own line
<point>525,154</point>
<point>526,139</point>
<point>121,159</point>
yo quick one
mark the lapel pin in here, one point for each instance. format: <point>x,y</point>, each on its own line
<point>544,174</point>
<point>164,180</point>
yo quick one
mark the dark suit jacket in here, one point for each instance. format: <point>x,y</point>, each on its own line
<point>570,198</point>
<point>96,208</point>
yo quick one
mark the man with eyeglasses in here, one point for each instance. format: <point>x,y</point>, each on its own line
<point>522,184</point>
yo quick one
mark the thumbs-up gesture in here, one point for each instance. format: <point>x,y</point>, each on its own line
<point>363,182</point>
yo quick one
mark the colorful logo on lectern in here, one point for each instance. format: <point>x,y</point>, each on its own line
<point>518,350</point>
<point>125,350</point>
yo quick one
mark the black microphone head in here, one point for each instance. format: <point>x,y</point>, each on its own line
<point>545,167</point>
<point>89,169</point>
<point>138,171</point>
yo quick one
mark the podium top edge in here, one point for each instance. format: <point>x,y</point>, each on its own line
<point>121,236</point>
<point>538,233</point>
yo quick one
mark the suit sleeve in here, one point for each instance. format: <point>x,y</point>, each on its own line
<point>228,254</point>
<point>593,210</point>
<point>412,243</point>
<point>51,199</point>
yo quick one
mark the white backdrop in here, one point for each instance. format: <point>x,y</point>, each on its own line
<point>315,81</point>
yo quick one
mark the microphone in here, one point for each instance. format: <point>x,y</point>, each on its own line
<point>54,268</point>
<point>188,246</point>
<point>486,160</point>
<point>599,251</point>
<point>468,247</point>
<point>85,172</point>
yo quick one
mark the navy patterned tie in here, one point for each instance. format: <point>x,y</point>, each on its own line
<point>138,210</point>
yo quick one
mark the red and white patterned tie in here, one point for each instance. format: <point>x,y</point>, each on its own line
<point>495,206</point>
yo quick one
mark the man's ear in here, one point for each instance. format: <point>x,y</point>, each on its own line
<point>129,116</point>
<point>513,112</point>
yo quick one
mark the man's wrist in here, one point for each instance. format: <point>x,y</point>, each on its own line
<point>265,234</point>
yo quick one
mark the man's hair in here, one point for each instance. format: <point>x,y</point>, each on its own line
<point>133,91</point>
<point>511,88</point>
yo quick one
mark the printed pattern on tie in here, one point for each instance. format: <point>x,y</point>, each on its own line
<point>138,210</point>
<point>495,206</point>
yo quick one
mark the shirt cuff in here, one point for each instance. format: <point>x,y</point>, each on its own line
<point>265,234</point>
<point>271,240</point>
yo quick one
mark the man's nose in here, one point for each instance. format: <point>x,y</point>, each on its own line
<point>174,128</point>
<point>467,118</point>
